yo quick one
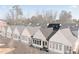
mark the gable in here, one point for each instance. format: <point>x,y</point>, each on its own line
<point>68,34</point>
<point>46,31</point>
<point>39,35</point>
<point>9,30</point>
<point>30,31</point>
<point>20,28</point>
<point>16,31</point>
<point>60,38</point>
<point>26,32</point>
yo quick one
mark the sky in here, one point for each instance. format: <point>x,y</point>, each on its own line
<point>29,10</point>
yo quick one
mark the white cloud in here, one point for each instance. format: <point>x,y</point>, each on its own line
<point>74,6</point>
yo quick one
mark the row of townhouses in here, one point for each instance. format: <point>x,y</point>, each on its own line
<point>53,38</point>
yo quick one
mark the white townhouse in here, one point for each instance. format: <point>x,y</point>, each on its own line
<point>41,37</point>
<point>16,34</point>
<point>62,41</point>
<point>3,26</point>
<point>3,31</point>
<point>9,32</point>
<point>76,49</point>
<point>20,30</point>
<point>28,32</point>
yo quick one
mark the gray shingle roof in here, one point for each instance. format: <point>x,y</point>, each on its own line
<point>71,26</point>
<point>68,34</point>
<point>20,28</point>
<point>12,27</point>
<point>32,30</point>
<point>46,31</point>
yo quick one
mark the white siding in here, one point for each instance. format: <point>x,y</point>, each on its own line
<point>59,38</point>
<point>27,35</point>
<point>54,47</point>
<point>16,34</point>
<point>3,31</point>
<point>39,35</point>
<point>9,32</point>
<point>9,35</point>
<point>37,45</point>
<point>26,40</point>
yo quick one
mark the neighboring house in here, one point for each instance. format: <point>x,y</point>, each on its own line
<point>27,34</point>
<point>3,26</point>
<point>3,31</point>
<point>20,30</point>
<point>9,32</point>
<point>3,23</point>
<point>73,28</point>
<point>62,42</point>
<point>41,37</point>
<point>16,34</point>
<point>76,49</point>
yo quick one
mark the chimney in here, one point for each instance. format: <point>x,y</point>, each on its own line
<point>54,26</point>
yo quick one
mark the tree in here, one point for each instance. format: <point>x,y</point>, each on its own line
<point>17,11</point>
<point>65,16</point>
<point>50,16</point>
<point>14,14</point>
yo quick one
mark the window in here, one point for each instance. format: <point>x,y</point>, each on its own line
<point>70,50</point>
<point>66,49</point>
<point>60,47</point>
<point>44,43</point>
<point>56,46</point>
<point>16,36</point>
<point>8,34</point>
<point>37,41</point>
<point>19,37</point>
<point>52,45</point>
<point>22,38</point>
<point>40,42</point>
<point>33,40</point>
